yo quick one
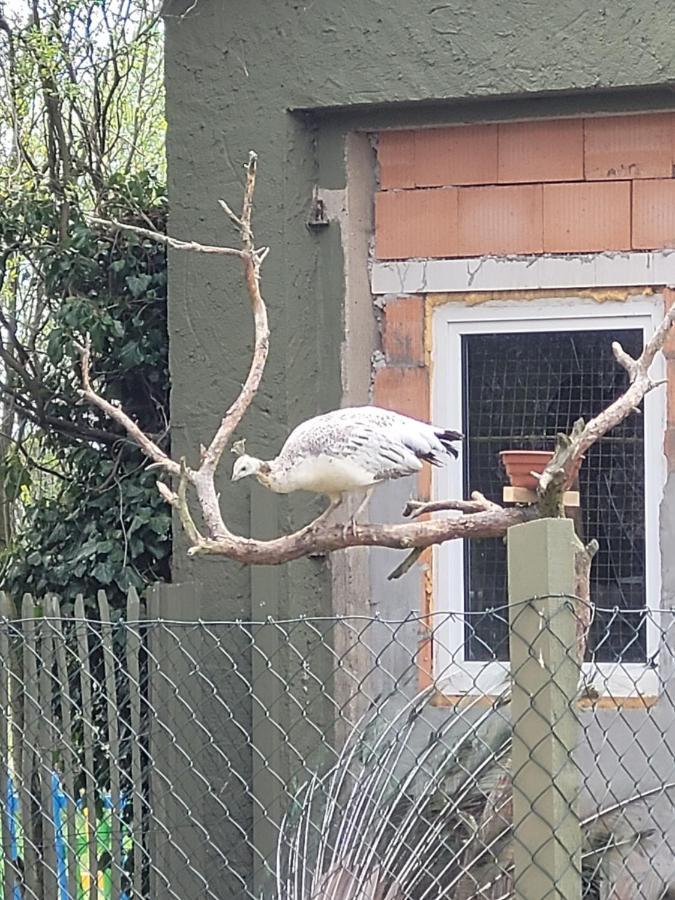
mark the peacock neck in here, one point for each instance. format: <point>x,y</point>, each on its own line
<point>269,476</point>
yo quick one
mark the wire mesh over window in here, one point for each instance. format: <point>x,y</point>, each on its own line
<point>520,390</point>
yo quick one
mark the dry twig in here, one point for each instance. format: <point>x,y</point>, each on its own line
<point>144,442</point>
<point>165,239</point>
<point>561,471</point>
<point>479,517</point>
<point>478,503</point>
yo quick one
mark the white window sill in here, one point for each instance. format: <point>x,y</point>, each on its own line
<point>609,680</point>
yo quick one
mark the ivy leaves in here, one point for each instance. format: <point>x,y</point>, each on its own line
<point>101,523</point>
<point>87,539</point>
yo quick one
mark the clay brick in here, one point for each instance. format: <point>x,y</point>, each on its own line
<point>405,391</point>
<point>628,146</point>
<point>500,220</point>
<point>583,217</point>
<point>403,333</point>
<point>419,223</point>
<point>654,214</point>
<point>550,150</point>
<point>396,158</point>
<point>461,154</point>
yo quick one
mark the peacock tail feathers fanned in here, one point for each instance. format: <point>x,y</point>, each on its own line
<point>413,812</point>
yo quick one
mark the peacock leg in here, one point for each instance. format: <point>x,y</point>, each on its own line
<point>351,525</point>
<point>335,501</point>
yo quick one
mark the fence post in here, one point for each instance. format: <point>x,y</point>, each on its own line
<point>175,708</point>
<point>545,673</point>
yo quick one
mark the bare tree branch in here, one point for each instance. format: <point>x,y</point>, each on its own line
<point>179,501</point>
<point>320,539</point>
<point>415,508</point>
<point>252,263</point>
<point>562,469</point>
<point>73,430</point>
<point>177,244</point>
<point>641,384</point>
<point>203,479</point>
<point>479,517</point>
<point>234,218</point>
<point>30,460</point>
<point>147,445</point>
<point>478,503</point>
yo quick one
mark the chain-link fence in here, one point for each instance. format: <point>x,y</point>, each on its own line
<point>329,758</point>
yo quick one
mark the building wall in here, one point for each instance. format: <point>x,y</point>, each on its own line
<point>294,81</point>
<point>576,186</point>
<point>573,186</point>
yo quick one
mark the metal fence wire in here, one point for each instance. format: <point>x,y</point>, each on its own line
<point>327,758</point>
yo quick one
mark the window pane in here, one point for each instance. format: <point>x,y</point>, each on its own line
<point>520,390</point>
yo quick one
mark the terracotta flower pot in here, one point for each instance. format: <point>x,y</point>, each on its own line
<point>519,464</point>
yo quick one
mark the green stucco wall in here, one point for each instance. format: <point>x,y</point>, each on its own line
<point>290,79</point>
<point>309,55</point>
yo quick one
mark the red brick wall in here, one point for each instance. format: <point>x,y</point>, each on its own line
<point>555,186</point>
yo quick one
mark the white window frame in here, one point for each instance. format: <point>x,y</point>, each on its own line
<point>452,320</point>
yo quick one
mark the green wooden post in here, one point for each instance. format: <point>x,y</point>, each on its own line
<point>545,673</point>
<point>178,742</point>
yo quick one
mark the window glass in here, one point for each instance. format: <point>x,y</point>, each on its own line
<point>519,391</point>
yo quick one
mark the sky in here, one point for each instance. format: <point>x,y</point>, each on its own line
<point>14,9</point>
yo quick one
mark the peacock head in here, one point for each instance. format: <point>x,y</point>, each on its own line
<point>246,465</point>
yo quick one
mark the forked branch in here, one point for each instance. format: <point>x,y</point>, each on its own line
<point>475,518</point>
<point>560,472</point>
<point>203,478</point>
<point>478,503</point>
<point>148,446</point>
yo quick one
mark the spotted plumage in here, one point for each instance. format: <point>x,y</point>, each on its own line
<point>350,450</point>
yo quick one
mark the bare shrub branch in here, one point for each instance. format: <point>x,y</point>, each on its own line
<point>478,503</point>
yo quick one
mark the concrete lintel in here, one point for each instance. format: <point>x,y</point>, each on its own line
<point>491,273</point>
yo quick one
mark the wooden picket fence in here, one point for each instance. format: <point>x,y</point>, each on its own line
<point>71,743</point>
